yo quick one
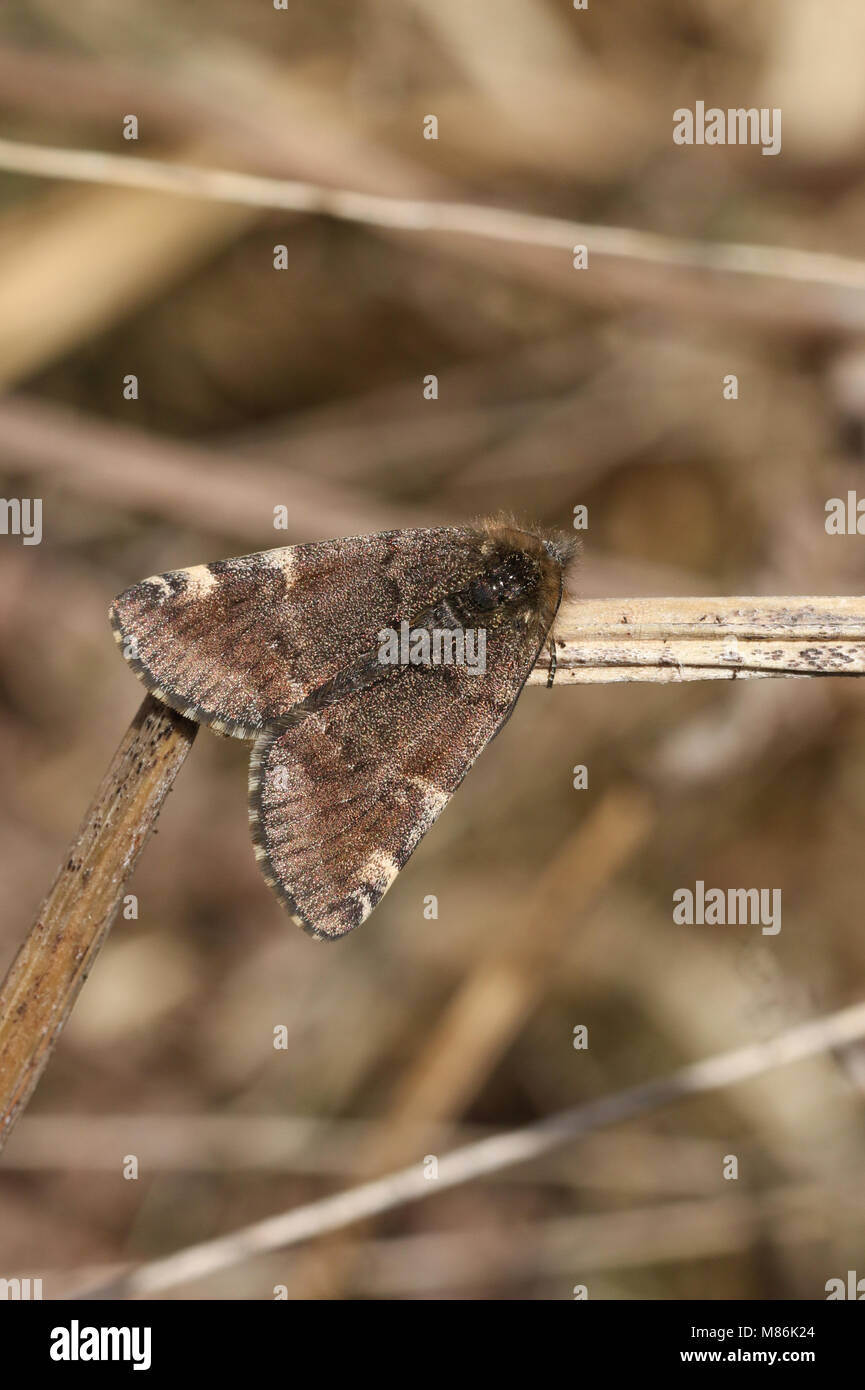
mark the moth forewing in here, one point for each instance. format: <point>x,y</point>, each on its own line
<point>355,756</point>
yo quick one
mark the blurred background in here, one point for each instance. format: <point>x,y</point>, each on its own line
<point>303,388</point>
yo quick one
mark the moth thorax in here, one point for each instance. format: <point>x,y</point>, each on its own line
<point>509,581</point>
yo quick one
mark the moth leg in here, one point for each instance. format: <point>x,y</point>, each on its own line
<point>554,662</point>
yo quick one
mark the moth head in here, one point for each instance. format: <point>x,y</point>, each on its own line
<point>526,573</point>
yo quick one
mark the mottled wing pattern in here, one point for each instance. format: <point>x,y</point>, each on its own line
<point>236,643</point>
<point>339,802</point>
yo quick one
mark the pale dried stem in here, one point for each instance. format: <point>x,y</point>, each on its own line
<point>488,1156</point>
<point>697,639</point>
<point>413,214</point>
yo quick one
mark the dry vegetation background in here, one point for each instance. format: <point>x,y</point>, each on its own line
<point>303,388</point>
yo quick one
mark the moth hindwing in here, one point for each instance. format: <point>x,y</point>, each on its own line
<point>325,656</point>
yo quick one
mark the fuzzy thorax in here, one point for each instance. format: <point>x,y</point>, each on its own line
<point>532,568</point>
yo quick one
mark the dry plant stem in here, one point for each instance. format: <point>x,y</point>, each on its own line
<point>695,639</point>
<point>73,922</point>
<point>488,1156</point>
<point>411,214</point>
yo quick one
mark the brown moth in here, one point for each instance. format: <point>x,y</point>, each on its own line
<point>360,736</point>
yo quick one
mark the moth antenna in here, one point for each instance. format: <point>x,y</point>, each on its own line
<point>554,663</point>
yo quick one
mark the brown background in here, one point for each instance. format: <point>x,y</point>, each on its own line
<point>303,388</point>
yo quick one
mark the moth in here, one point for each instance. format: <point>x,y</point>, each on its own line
<point>355,753</point>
